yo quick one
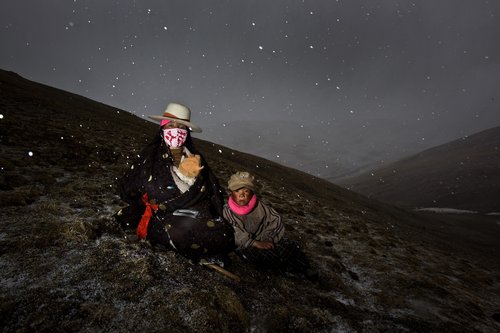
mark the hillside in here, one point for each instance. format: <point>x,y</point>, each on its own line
<point>345,150</point>
<point>66,266</point>
<point>463,174</point>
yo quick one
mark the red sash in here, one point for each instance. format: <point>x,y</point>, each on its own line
<point>142,228</point>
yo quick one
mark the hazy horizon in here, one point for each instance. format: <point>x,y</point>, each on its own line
<point>329,85</point>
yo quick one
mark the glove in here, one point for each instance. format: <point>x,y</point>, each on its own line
<point>191,166</point>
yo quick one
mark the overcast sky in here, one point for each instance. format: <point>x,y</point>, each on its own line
<point>398,75</point>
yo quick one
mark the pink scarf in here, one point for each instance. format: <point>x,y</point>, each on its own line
<point>242,210</point>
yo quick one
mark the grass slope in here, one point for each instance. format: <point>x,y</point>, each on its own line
<point>462,174</point>
<point>66,266</point>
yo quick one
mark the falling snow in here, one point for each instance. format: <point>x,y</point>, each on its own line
<point>303,54</point>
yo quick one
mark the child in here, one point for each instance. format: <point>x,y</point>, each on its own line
<point>258,230</point>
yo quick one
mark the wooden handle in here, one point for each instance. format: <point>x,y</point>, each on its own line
<point>224,272</point>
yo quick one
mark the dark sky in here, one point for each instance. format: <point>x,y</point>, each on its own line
<point>324,86</point>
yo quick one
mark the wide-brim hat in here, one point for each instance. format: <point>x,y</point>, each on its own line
<point>178,113</point>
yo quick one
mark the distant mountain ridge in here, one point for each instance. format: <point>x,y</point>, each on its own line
<point>327,150</point>
<point>462,174</point>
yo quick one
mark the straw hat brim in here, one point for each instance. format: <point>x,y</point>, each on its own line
<point>192,127</point>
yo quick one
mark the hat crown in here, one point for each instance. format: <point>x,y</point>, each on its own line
<point>180,114</point>
<point>175,110</point>
<point>241,179</point>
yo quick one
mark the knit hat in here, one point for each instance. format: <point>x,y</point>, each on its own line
<point>178,113</point>
<point>241,179</point>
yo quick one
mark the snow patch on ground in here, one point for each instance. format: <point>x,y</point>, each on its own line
<point>446,210</point>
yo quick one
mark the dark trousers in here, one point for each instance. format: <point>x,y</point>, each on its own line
<point>286,255</point>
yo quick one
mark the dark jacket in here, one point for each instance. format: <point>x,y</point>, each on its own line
<point>151,173</point>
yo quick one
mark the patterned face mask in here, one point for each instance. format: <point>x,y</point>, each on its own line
<point>175,137</point>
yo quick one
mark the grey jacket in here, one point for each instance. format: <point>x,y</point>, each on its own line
<point>263,223</point>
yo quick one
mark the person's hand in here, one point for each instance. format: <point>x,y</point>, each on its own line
<point>191,166</point>
<point>263,245</point>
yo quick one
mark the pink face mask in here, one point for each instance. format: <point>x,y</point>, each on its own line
<point>175,137</point>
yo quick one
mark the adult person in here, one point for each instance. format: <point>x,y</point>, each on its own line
<point>173,197</point>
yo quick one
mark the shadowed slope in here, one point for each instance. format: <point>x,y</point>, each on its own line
<point>66,266</point>
<point>462,174</point>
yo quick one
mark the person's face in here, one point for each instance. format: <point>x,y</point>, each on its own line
<point>174,124</point>
<point>242,196</point>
